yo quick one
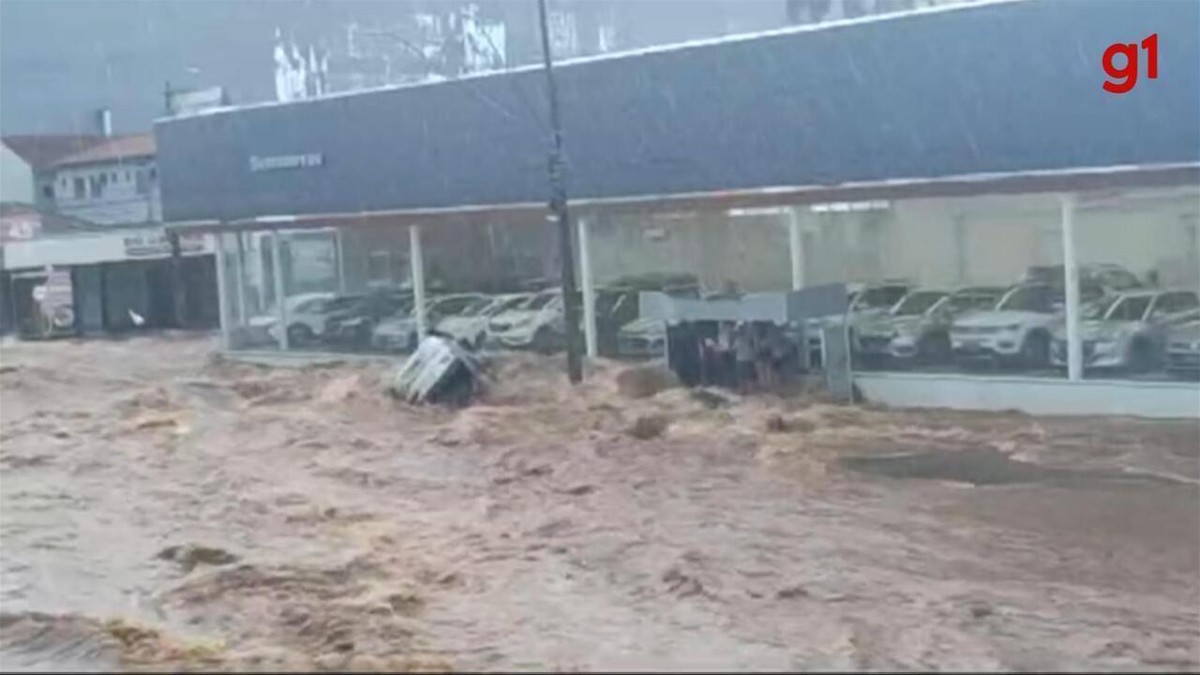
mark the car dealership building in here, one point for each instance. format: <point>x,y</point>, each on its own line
<point>952,147</point>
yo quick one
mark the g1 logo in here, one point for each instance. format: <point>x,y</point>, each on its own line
<point>1128,73</point>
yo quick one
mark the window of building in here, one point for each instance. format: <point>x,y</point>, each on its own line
<point>48,191</point>
<point>80,188</point>
<point>113,177</point>
<point>142,186</point>
<point>96,185</point>
<point>153,174</point>
<point>128,177</point>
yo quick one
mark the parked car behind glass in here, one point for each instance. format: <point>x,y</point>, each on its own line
<point>863,301</point>
<point>1016,331</point>
<point>917,329</point>
<point>352,323</point>
<point>1128,330</point>
<point>469,327</point>
<point>399,332</point>
<point>1183,350</point>
<point>261,328</point>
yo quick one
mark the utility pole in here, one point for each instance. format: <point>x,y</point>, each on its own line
<point>558,204</point>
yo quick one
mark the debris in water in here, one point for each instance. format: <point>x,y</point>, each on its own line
<point>792,592</point>
<point>776,423</point>
<point>339,390</point>
<point>646,427</point>
<point>711,398</point>
<point>682,585</point>
<point>188,556</point>
<point>580,490</point>
<point>645,381</point>
<point>155,421</point>
<point>980,610</point>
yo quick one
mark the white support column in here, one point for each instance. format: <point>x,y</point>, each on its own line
<point>339,243</point>
<point>960,249</point>
<point>280,299</point>
<point>796,247</point>
<point>239,267</point>
<point>417,262</point>
<point>589,292</point>
<point>222,289</point>
<point>1071,285</point>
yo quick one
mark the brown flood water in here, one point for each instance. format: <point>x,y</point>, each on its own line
<point>160,508</point>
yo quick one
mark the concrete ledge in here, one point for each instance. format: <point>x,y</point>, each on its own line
<point>1034,395</point>
<point>299,359</point>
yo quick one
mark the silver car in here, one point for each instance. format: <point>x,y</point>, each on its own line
<point>469,327</point>
<point>918,327</point>
<point>399,332</point>
<point>642,337</point>
<point>537,323</point>
<point>1128,330</point>
<point>863,301</point>
<point>1183,350</point>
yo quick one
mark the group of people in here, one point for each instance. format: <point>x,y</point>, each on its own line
<point>747,356</point>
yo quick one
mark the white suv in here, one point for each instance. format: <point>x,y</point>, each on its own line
<point>1016,331</point>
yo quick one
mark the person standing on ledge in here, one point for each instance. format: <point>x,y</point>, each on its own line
<point>743,353</point>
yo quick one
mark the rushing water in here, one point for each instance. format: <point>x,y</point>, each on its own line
<point>158,508</point>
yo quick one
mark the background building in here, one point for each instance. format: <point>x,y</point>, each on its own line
<point>114,182</point>
<point>119,53</point>
<point>27,169</point>
<point>868,165</point>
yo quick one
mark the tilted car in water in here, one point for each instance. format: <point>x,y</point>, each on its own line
<point>1128,330</point>
<point>918,327</point>
<point>1183,350</point>
<point>399,332</point>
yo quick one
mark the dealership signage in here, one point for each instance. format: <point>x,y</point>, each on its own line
<point>284,162</point>
<point>155,244</point>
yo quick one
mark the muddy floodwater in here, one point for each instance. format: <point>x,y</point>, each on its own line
<point>164,508</point>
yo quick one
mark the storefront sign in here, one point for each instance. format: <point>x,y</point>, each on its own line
<point>20,227</point>
<point>282,162</point>
<point>156,244</point>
